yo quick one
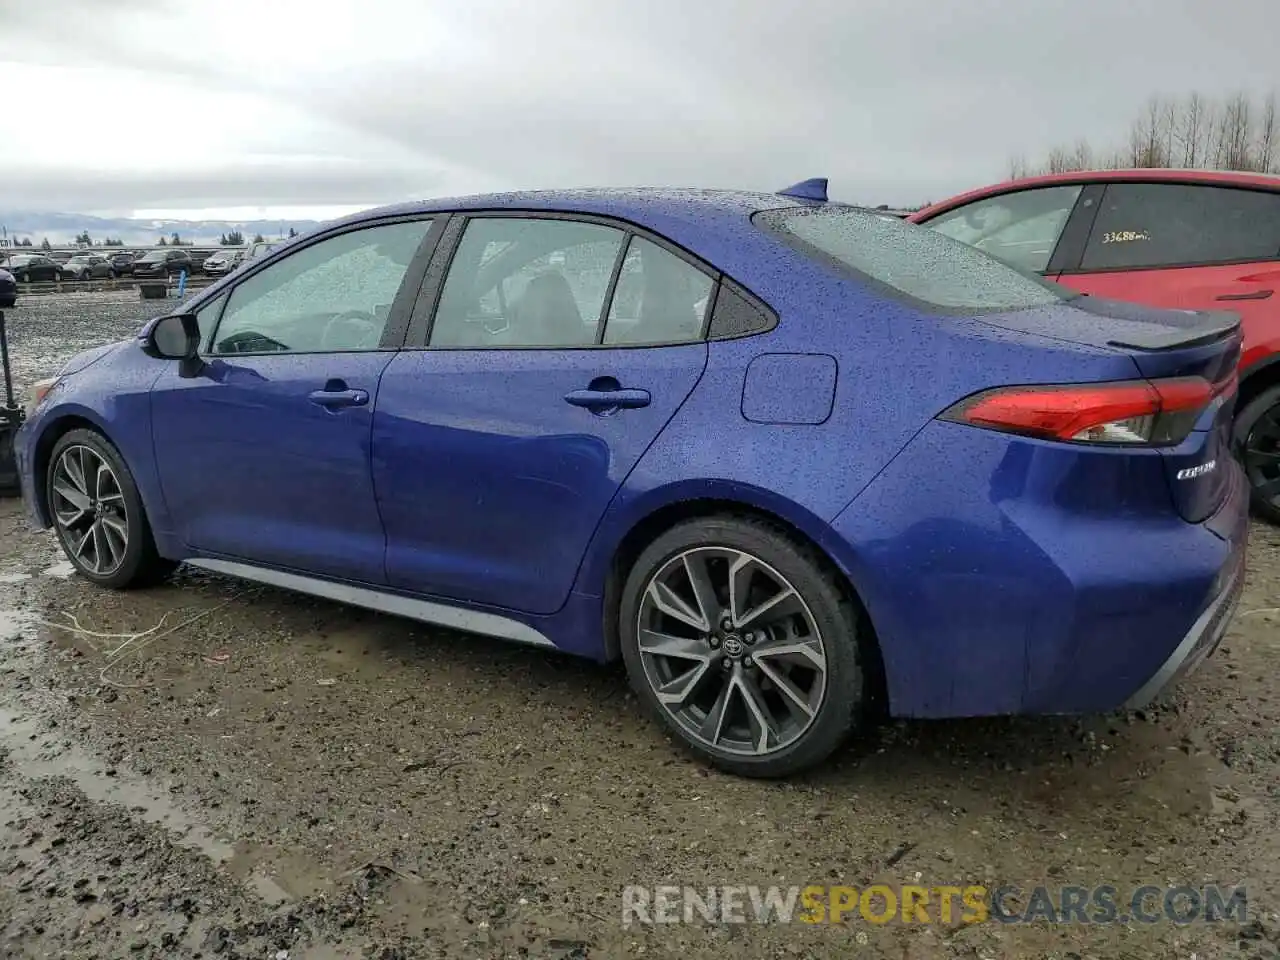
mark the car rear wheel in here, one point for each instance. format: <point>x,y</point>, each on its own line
<point>98,514</point>
<point>1257,436</point>
<point>743,645</point>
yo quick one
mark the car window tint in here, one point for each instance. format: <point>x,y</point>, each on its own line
<point>660,298</point>
<point>517,282</point>
<point>1020,228</point>
<point>1167,224</point>
<point>331,296</point>
<point>921,264</point>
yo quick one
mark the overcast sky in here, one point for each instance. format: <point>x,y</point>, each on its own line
<point>301,108</point>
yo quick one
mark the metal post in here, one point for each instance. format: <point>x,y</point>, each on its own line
<point>182,283</point>
<point>4,365</point>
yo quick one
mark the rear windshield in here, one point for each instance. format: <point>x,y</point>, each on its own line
<point>911,261</point>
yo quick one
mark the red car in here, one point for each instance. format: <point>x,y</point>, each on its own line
<point>1171,238</point>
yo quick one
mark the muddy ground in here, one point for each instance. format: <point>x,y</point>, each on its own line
<point>213,770</point>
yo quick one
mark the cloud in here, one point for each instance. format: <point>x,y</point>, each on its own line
<point>896,100</point>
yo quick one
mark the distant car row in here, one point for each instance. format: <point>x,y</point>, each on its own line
<point>39,267</point>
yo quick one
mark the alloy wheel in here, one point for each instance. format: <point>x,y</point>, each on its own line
<point>1262,456</point>
<point>88,505</point>
<point>731,651</point>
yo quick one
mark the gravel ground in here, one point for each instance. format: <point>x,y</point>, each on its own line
<point>263,775</point>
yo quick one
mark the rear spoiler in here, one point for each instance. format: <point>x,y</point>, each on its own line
<point>1211,326</point>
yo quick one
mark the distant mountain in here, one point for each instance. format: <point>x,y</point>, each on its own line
<point>61,229</point>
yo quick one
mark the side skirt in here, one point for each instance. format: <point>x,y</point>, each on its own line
<point>425,611</point>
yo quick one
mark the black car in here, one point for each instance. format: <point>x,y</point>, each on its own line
<point>32,267</point>
<point>8,290</point>
<point>162,263</point>
<point>121,263</point>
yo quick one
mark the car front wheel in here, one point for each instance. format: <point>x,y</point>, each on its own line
<point>744,646</point>
<point>98,513</point>
<point>1257,436</point>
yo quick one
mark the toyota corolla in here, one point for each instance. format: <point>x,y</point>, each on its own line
<point>795,462</point>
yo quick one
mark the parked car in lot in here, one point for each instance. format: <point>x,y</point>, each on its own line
<point>198,257</point>
<point>87,266</point>
<point>121,263</point>
<point>32,267</point>
<point>222,263</point>
<point>162,263</point>
<point>258,248</point>
<point>1170,238</point>
<point>8,290</point>
<point>677,428</point>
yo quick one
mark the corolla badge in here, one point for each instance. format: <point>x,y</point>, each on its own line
<point>1190,473</point>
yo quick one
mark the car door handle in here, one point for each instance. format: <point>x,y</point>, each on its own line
<point>1252,295</point>
<point>625,399</point>
<point>336,399</point>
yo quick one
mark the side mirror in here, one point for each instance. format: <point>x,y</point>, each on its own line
<point>175,337</point>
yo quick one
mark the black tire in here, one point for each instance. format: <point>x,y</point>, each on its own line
<point>1257,442</point>
<point>846,700</point>
<point>141,565</point>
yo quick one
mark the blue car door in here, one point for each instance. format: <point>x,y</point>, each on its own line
<point>263,455</point>
<point>499,443</point>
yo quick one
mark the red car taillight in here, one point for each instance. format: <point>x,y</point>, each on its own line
<point>1156,412</point>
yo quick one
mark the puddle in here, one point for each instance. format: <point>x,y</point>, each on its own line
<point>35,754</point>
<point>62,570</point>
<point>14,623</point>
<point>14,577</point>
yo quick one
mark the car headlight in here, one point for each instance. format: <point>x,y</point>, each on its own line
<point>38,391</point>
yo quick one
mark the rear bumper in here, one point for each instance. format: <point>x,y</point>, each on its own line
<point>1008,576</point>
<point>1200,642</point>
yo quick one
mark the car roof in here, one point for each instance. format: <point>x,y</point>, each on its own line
<point>1229,178</point>
<point>639,204</point>
<point>713,224</point>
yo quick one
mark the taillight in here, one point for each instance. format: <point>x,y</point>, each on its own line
<point>1155,412</point>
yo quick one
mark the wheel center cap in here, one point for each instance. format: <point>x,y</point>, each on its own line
<point>733,646</point>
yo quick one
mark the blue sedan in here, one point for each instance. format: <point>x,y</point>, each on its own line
<point>794,462</point>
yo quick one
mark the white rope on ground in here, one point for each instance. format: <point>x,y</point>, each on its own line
<point>134,643</point>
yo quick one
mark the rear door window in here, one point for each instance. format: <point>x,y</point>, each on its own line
<point>659,298</point>
<point>1173,224</point>
<point>1021,228</point>
<point>527,282</point>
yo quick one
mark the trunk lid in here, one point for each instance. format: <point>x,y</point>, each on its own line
<point>1163,344</point>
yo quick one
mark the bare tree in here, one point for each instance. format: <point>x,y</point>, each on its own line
<point>1150,136</point>
<point>1235,133</point>
<point>1231,150</point>
<point>1265,152</point>
<point>1191,124</point>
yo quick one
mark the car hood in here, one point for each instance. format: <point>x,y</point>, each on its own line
<point>5,274</point>
<point>89,357</point>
